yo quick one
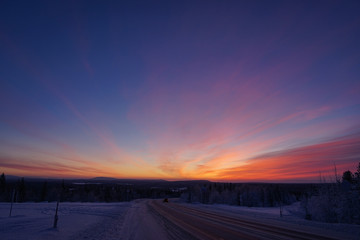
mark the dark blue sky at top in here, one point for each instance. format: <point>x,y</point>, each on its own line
<point>112,37</point>
<point>90,52</point>
<point>87,70</point>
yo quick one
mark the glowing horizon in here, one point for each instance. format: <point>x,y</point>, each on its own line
<point>235,91</point>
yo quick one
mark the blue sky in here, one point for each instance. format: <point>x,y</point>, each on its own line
<point>179,89</point>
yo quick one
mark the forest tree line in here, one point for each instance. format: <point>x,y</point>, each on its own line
<point>23,190</point>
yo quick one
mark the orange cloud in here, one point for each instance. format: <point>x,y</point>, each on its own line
<point>297,164</point>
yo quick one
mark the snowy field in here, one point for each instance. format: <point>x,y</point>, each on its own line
<point>76,221</point>
<point>110,221</point>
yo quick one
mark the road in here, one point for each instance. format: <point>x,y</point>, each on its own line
<point>157,220</point>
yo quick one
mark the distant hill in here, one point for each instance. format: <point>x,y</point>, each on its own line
<point>103,179</point>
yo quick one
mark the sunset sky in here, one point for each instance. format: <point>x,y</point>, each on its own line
<point>220,90</point>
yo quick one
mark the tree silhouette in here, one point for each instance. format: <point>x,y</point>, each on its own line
<point>348,176</point>
<point>357,173</point>
<point>21,191</point>
<point>2,183</point>
<point>44,192</point>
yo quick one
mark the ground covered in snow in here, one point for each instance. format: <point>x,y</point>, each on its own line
<point>131,220</point>
<point>35,221</point>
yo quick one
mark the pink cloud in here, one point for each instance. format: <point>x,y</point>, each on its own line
<point>299,163</point>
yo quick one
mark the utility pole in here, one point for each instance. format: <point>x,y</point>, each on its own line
<point>56,218</point>
<point>12,200</point>
<point>281,207</point>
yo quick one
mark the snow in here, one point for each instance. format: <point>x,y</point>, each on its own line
<point>35,221</point>
<point>132,220</point>
<point>292,218</point>
<point>140,224</point>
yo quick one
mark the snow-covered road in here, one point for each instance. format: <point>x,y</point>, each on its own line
<point>140,223</point>
<point>153,219</point>
<point>214,223</point>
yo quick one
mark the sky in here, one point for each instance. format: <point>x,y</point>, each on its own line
<point>241,91</point>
